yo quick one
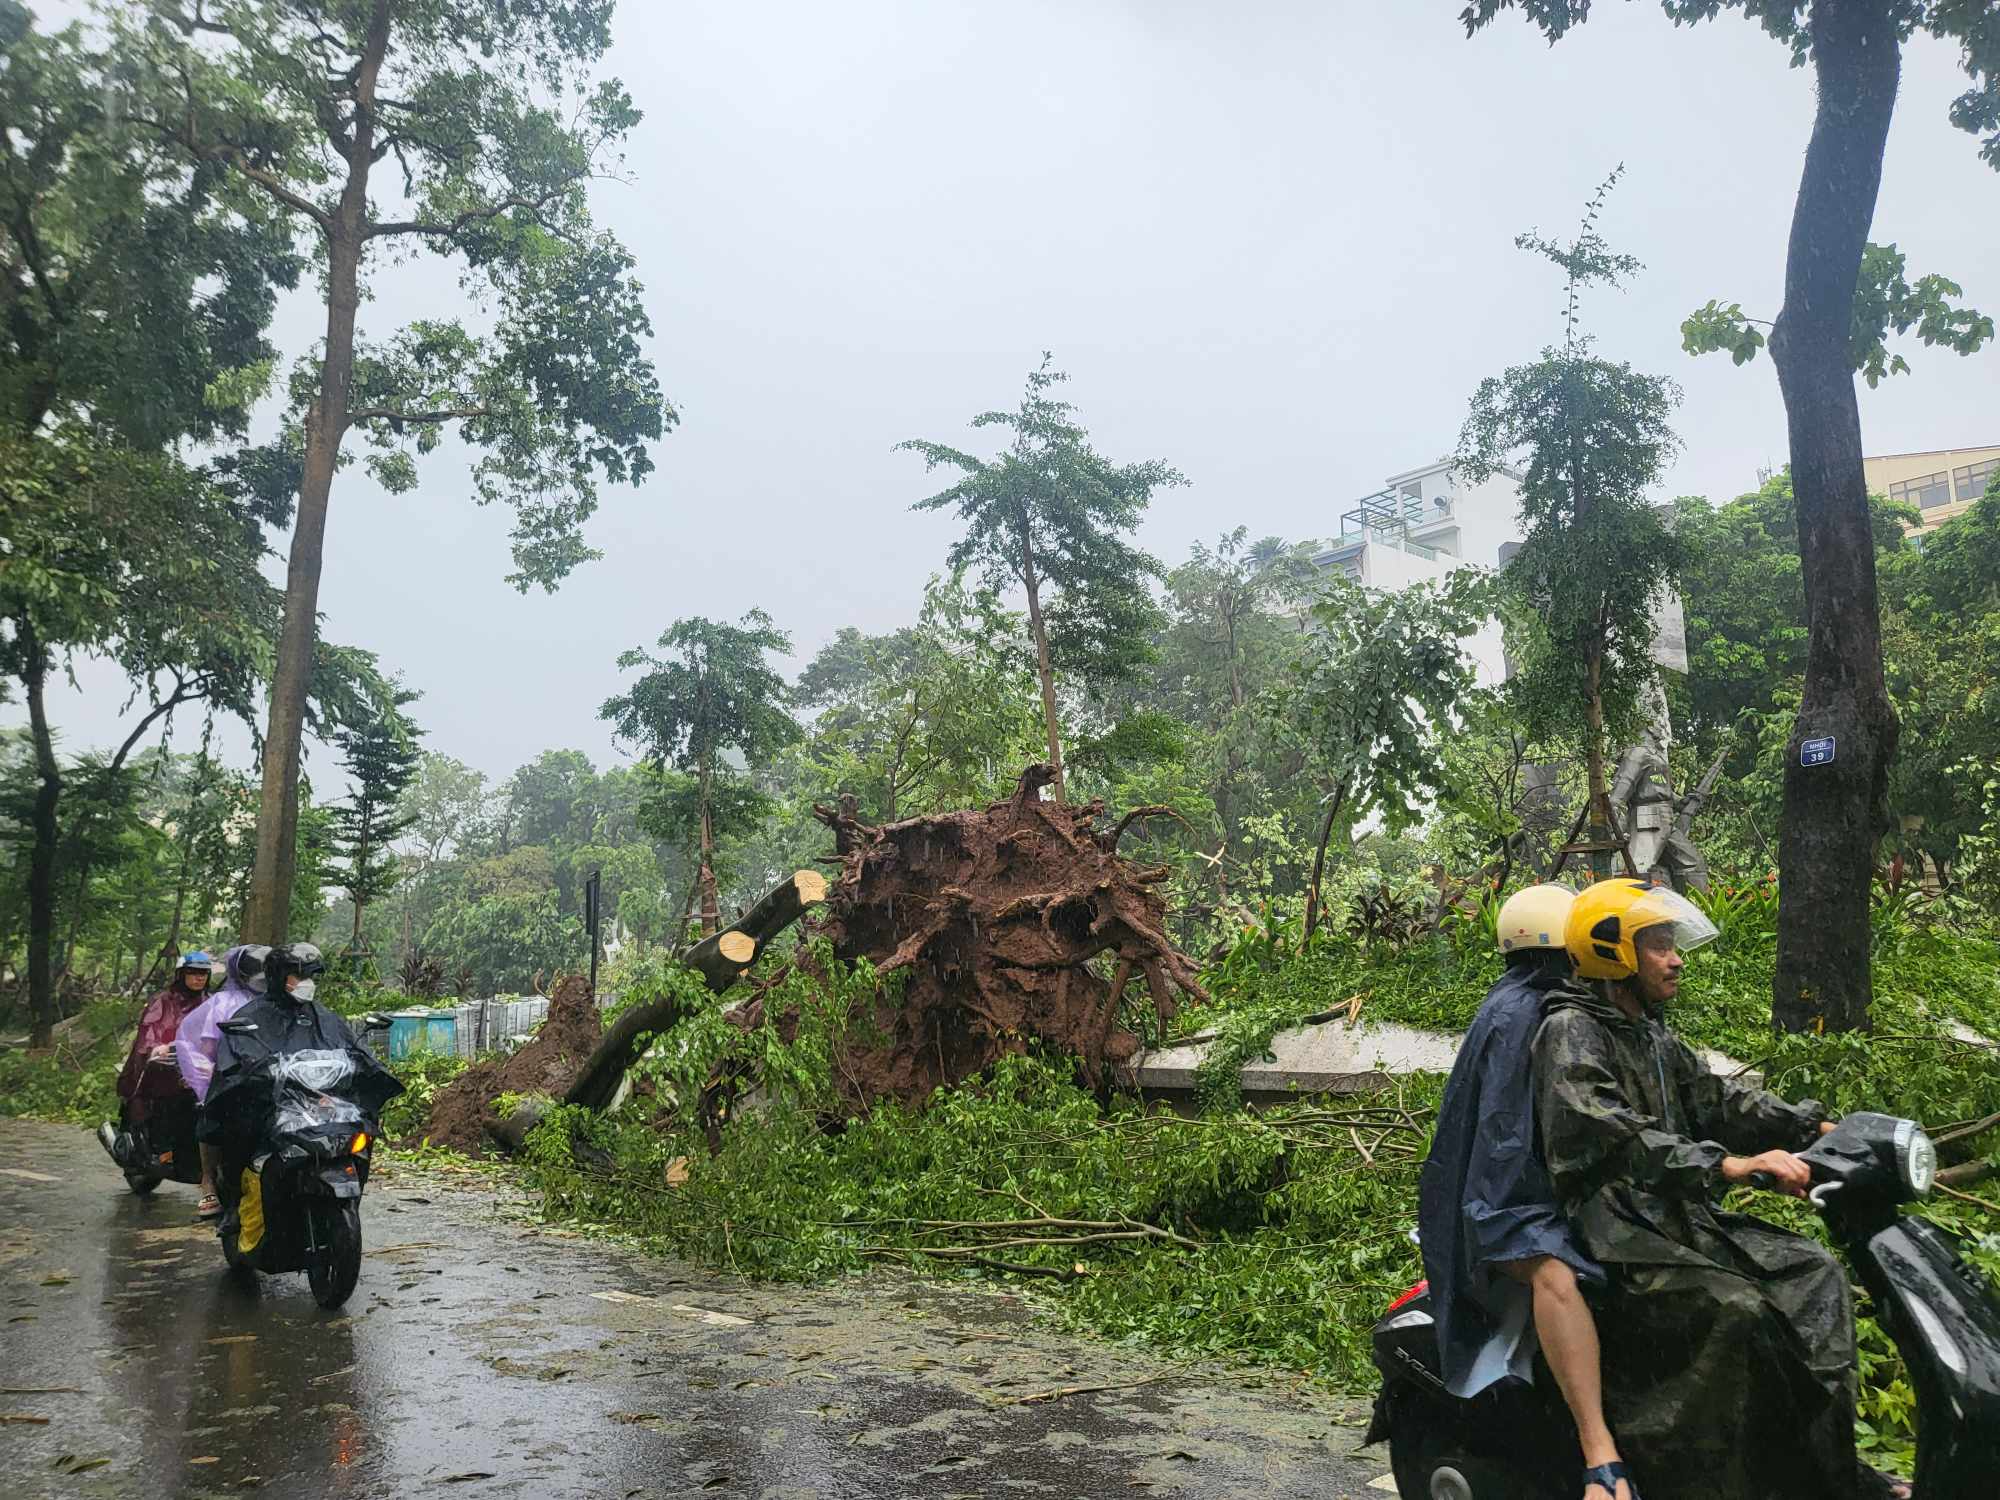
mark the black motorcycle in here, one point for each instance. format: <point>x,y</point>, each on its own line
<point>1516,1442</point>
<point>291,1192</point>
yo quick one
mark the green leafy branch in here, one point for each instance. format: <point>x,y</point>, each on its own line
<point>1885,301</point>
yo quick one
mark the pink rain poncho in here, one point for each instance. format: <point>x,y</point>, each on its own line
<point>141,1086</point>
<point>201,1032</point>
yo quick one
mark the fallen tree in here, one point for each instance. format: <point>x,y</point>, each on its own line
<point>591,1076</point>
<point>720,959</point>
<point>1000,927</point>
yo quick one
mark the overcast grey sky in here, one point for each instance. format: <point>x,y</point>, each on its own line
<point>1271,242</point>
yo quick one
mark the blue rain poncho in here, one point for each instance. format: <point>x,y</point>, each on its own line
<point>1486,1196</point>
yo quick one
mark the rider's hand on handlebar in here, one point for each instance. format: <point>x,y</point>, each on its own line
<point>1781,1171</point>
<point>162,1053</point>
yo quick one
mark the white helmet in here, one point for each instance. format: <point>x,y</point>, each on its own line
<point>1534,917</point>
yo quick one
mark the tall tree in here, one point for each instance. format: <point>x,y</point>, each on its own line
<point>713,696</point>
<point>1834,809</point>
<point>1051,514</point>
<point>1592,437</point>
<point>380,757</point>
<point>494,125</point>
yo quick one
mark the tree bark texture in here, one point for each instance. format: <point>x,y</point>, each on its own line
<point>1834,813</point>
<point>269,915</point>
<point>42,856</point>
<point>1313,909</point>
<point>992,917</point>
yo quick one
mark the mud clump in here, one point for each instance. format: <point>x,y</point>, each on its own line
<point>1011,925</point>
<point>462,1115</point>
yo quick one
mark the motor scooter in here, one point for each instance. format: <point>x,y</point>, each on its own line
<point>161,1147</point>
<point>1516,1442</point>
<point>291,1195</point>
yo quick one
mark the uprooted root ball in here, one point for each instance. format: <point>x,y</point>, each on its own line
<point>994,918</point>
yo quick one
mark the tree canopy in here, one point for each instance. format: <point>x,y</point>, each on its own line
<point>1050,514</point>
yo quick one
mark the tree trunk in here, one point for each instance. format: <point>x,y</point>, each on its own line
<point>269,915</point>
<point>1319,863</point>
<point>1599,821</point>
<point>1042,667</point>
<point>42,858</point>
<point>711,909</point>
<point>1834,813</point>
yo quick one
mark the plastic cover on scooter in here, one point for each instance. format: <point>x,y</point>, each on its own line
<point>306,1090</point>
<point>284,1065</point>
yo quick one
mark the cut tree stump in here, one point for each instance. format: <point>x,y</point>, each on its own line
<point>999,921</point>
<point>720,960</point>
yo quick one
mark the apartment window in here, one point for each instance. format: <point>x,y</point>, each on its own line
<point>1973,479</point>
<point>1927,492</point>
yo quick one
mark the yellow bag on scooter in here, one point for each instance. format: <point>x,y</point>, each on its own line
<point>250,1212</point>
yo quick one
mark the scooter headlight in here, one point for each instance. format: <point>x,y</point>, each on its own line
<point>1916,1158</point>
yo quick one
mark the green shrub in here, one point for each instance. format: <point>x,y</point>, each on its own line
<point>77,1080</point>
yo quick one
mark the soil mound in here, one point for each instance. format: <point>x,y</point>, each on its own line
<point>462,1115</point>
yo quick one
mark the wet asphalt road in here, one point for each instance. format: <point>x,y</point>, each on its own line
<point>484,1356</point>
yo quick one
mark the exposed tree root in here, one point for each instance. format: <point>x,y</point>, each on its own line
<point>999,922</point>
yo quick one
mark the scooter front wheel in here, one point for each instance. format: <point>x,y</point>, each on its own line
<point>335,1262</point>
<point>140,1183</point>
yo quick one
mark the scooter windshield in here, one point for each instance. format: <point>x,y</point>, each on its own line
<point>308,1089</point>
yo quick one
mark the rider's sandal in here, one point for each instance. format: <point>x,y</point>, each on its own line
<point>1608,1476</point>
<point>209,1208</point>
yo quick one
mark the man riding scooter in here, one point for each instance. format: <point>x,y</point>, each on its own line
<point>1730,1368</point>
<point>1501,1263</point>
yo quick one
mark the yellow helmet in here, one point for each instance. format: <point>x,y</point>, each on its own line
<point>1606,917</point>
<point>1536,916</point>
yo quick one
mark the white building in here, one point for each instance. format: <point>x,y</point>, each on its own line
<point>1424,524</point>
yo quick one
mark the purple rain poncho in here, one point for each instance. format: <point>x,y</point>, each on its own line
<point>201,1032</point>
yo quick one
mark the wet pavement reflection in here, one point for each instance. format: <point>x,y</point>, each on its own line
<point>483,1355</point>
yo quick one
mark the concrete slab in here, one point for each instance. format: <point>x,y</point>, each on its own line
<point>1331,1058</point>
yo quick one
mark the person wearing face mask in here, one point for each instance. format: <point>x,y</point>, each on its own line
<point>199,1035</point>
<point>1728,1342</point>
<point>287,1018</point>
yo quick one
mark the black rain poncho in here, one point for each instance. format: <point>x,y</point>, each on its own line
<point>1486,1197</point>
<point>244,1095</point>
<point>1728,1344</point>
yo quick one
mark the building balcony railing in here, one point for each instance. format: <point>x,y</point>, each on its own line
<point>1389,536</point>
